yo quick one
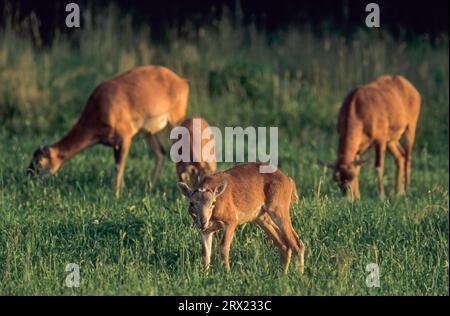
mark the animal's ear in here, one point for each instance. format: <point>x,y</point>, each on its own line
<point>220,188</point>
<point>327,164</point>
<point>46,151</point>
<point>358,163</point>
<point>39,150</point>
<point>184,189</point>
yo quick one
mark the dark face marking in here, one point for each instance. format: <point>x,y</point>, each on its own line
<point>201,206</point>
<point>41,162</point>
<point>344,175</point>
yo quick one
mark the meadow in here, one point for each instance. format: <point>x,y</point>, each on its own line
<point>143,243</point>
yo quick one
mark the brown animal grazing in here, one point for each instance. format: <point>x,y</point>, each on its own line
<point>143,99</point>
<point>241,195</point>
<point>191,172</point>
<point>377,114</point>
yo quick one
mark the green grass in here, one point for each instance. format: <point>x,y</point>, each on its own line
<point>144,242</point>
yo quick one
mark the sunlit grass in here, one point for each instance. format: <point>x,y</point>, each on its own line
<point>144,242</point>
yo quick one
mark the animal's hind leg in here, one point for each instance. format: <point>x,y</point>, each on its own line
<point>274,233</point>
<point>380,150</point>
<point>301,256</point>
<point>399,156</point>
<point>281,218</point>
<point>409,144</point>
<point>158,150</point>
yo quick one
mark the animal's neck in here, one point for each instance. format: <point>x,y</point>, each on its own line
<point>78,138</point>
<point>349,142</point>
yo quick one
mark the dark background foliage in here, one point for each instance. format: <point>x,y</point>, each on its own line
<point>402,17</point>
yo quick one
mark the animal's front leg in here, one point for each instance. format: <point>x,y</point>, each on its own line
<point>120,156</point>
<point>207,239</point>
<point>228,234</point>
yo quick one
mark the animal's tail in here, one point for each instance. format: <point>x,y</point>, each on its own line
<point>294,196</point>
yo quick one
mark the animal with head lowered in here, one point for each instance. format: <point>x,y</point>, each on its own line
<point>190,172</point>
<point>382,114</point>
<point>240,195</point>
<point>144,99</point>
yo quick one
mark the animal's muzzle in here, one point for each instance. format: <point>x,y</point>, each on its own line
<point>203,223</point>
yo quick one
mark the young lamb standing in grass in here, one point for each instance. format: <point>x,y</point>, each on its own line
<point>377,114</point>
<point>240,195</point>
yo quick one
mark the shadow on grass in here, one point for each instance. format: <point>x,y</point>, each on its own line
<point>105,239</point>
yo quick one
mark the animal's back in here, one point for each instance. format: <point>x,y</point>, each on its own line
<point>148,97</point>
<point>152,89</point>
<point>251,189</point>
<point>384,107</point>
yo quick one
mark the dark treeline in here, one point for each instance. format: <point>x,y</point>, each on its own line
<point>401,17</point>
